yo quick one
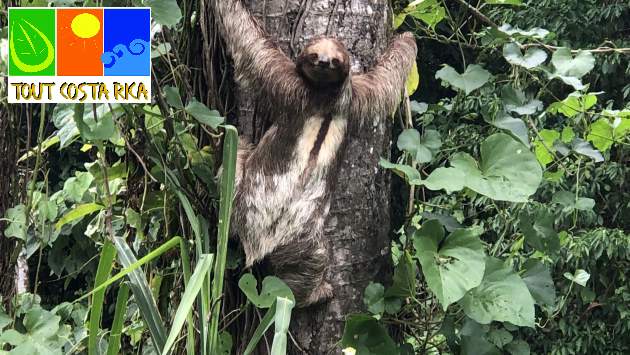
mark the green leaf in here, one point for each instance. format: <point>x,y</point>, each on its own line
<point>567,65</point>
<point>508,171</point>
<point>543,146</point>
<point>574,104</point>
<point>282,320</point>
<point>141,290</point>
<point>422,149</point>
<point>105,264</point>
<point>367,336</point>
<point>78,213</point>
<point>413,80</point>
<point>427,11</point>
<point>164,12</point>
<point>515,101</point>
<point>410,174</point>
<point>539,282</point>
<point>585,148</point>
<point>188,299</point>
<point>225,344</point>
<point>203,114</point>
<point>536,33</point>
<point>113,346</point>
<point>500,337</point>
<point>580,277</point>
<point>272,288</point>
<point>532,58</point>
<point>567,134</point>
<point>537,227</point>
<point>608,131</point>
<point>42,334</point>
<point>404,280</point>
<point>374,298</point>
<point>473,78</point>
<point>518,347</point>
<point>502,296</point>
<point>75,187</point>
<point>264,324</point>
<point>451,265</point>
<point>94,125</point>
<point>516,126</point>
<point>17,222</point>
<point>570,202</point>
<point>173,98</point>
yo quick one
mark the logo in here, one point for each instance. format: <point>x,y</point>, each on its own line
<point>79,55</point>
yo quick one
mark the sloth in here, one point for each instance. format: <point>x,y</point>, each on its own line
<point>284,183</point>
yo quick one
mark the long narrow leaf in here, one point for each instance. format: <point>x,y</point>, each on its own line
<point>105,264</point>
<point>225,211</point>
<point>265,323</point>
<point>188,299</point>
<point>135,265</point>
<point>142,293</point>
<point>119,318</point>
<point>282,320</point>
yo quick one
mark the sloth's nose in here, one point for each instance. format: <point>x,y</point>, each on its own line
<point>323,61</point>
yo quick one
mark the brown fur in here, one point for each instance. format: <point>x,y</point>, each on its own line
<point>284,183</point>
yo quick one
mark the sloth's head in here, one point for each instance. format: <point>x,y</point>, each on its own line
<point>324,62</point>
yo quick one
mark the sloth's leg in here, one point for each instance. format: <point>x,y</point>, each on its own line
<point>301,266</point>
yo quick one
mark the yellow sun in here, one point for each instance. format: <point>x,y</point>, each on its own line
<point>85,25</point>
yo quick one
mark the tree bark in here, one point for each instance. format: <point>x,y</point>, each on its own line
<point>358,227</point>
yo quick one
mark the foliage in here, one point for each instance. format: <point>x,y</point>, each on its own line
<point>514,158</point>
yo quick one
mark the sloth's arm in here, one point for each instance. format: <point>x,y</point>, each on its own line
<point>377,93</point>
<point>259,64</point>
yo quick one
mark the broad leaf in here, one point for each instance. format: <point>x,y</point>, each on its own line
<point>580,277</point>
<point>451,265</point>
<point>532,58</point>
<point>516,126</point>
<point>536,224</point>
<point>413,80</point>
<point>473,78</point>
<point>515,101</point>
<point>16,217</point>
<point>367,336</point>
<point>410,174</point>
<point>567,65</point>
<point>544,145</point>
<point>173,98</point>
<point>570,202</point>
<point>502,296</point>
<point>78,212</point>
<point>164,12</point>
<point>374,298</point>
<point>585,148</point>
<point>536,33</point>
<point>203,114</point>
<point>508,171</point>
<point>539,282</point>
<point>272,287</point>
<point>421,148</point>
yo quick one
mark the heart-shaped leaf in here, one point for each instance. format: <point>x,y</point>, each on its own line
<point>537,227</point>
<point>502,296</point>
<point>580,277</point>
<point>473,78</point>
<point>507,171</point>
<point>515,125</point>
<point>272,287</point>
<point>451,265</point>
<point>532,58</point>
<point>539,282</point>
<point>422,148</point>
<point>516,101</point>
<point>566,65</point>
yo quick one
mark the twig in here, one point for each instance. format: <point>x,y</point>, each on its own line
<point>483,18</point>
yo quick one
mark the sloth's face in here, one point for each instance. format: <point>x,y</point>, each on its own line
<point>324,62</point>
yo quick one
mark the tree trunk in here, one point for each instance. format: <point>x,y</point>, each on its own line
<point>358,227</point>
<point>9,127</point>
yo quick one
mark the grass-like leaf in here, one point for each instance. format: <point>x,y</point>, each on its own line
<point>188,299</point>
<point>225,210</point>
<point>119,318</point>
<point>105,263</point>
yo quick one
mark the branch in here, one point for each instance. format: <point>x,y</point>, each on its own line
<point>480,16</point>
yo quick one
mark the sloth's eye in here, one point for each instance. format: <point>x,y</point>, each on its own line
<point>313,57</point>
<point>335,62</point>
